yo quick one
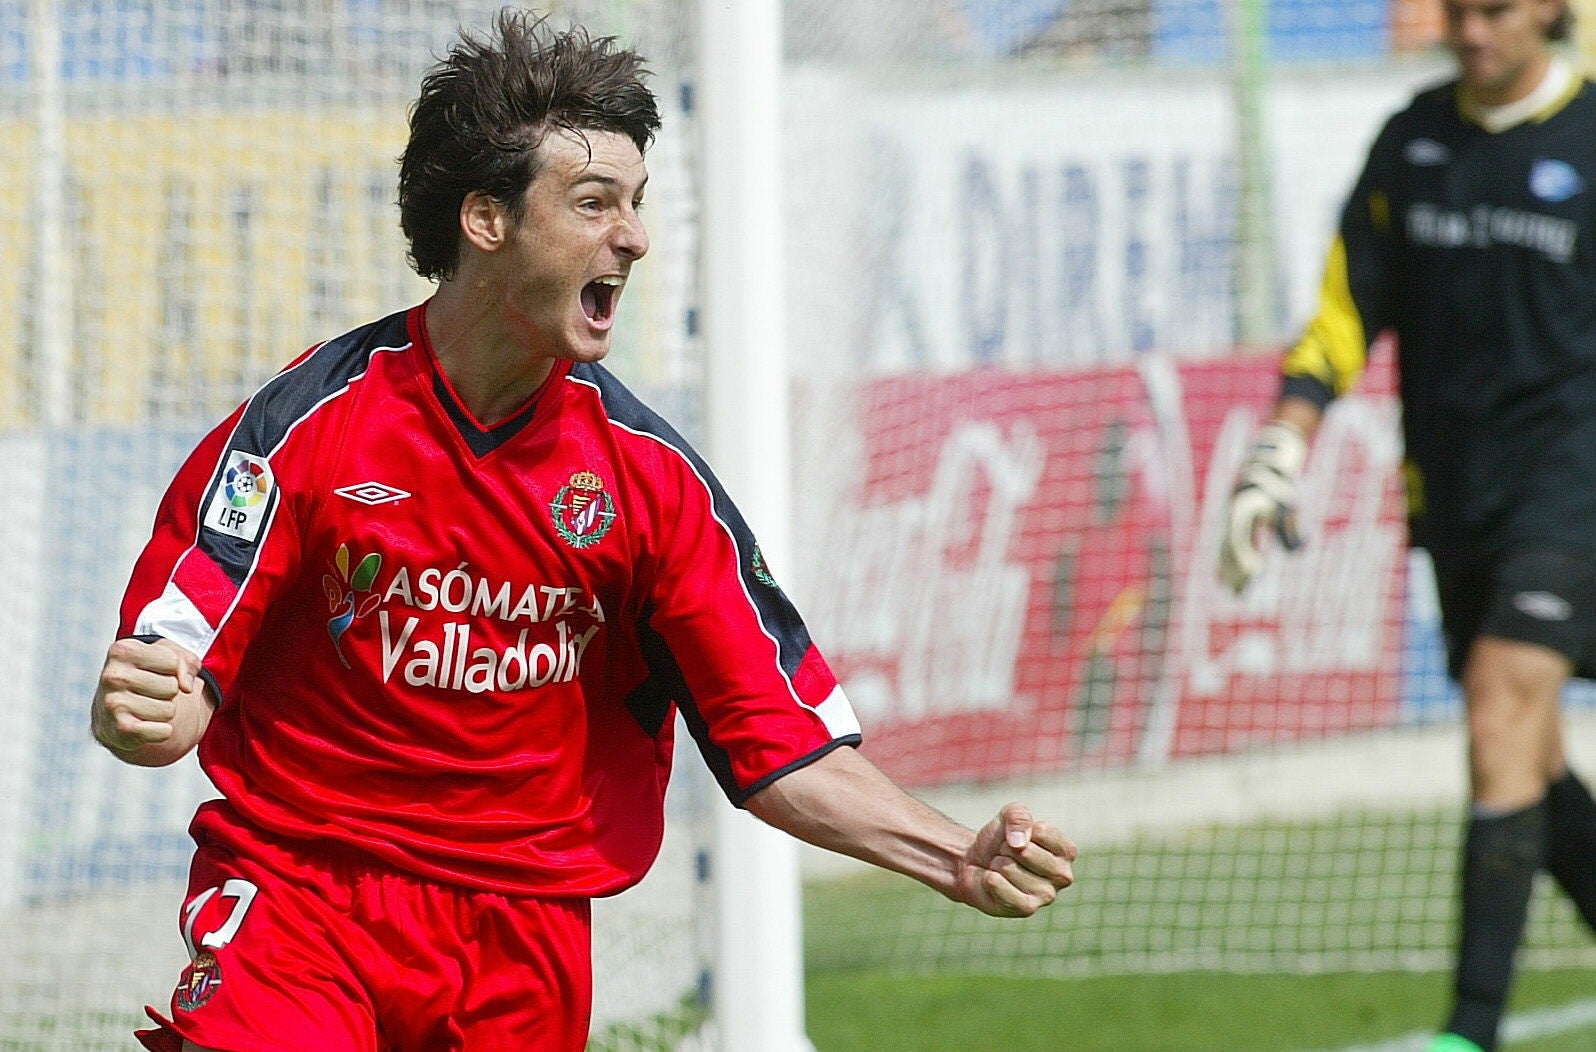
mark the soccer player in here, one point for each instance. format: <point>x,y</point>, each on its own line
<point>1470,234</point>
<point>428,602</point>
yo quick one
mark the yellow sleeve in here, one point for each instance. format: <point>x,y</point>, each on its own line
<point>1334,346</point>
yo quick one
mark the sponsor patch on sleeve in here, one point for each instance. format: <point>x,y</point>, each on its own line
<point>242,498</point>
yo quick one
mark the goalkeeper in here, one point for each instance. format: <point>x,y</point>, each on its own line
<point>1472,234</point>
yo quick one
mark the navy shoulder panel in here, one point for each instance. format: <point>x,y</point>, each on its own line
<point>625,408</point>
<point>292,394</point>
<point>776,612</point>
<point>232,538</point>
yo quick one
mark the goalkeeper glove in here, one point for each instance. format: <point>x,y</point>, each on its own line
<point>1265,495</point>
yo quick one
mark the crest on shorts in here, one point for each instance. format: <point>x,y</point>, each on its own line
<point>200,981</point>
<point>583,510</point>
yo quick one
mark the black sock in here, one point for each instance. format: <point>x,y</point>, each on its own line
<point>1571,843</point>
<point>1500,857</point>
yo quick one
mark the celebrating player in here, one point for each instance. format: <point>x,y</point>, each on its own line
<point>428,602</point>
<point>1470,234</point>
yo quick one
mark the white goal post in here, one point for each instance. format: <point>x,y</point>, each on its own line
<point>758,979</point>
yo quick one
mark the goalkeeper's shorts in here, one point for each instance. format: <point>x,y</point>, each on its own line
<point>299,946</point>
<point>1529,595</point>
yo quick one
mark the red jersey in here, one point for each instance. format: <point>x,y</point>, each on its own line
<point>460,648</point>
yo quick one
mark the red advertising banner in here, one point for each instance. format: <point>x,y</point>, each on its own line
<point>1020,575</point>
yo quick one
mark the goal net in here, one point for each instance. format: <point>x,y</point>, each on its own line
<point>191,193</point>
<point>1047,256</point>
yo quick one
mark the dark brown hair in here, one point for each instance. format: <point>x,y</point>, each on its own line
<point>486,108</point>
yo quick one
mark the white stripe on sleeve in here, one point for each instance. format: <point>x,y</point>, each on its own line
<point>173,616</point>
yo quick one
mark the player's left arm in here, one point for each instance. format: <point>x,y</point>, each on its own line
<point>1012,867</point>
<point>775,726</point>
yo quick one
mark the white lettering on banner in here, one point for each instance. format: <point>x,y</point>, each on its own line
<point>1074,260</point>
<point>1315,610</point>
<point>1105,220</point>
<point>930,582</point>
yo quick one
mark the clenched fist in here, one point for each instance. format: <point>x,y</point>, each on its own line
<point>150,706</point>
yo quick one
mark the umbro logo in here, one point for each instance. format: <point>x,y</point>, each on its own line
<point>1427,153</point>
<point>372,493</point>
<point>1543,606</point>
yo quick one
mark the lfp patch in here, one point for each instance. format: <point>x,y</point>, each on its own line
<point>242,497</point>
<point>200,982</point>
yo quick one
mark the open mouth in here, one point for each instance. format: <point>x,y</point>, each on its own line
<point>598,298</point>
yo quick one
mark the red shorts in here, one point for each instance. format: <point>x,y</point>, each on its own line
<point>297,946</point>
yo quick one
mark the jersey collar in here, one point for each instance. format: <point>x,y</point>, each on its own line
<point>480,438</point>
<point>1554,92</point>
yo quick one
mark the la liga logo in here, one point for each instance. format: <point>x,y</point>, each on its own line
<point>243,495</point>
<point>246,484</point>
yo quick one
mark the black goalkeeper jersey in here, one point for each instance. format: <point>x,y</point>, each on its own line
<point>1476,249</point>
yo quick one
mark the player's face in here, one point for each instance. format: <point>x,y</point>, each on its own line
<point>1500,45</point>
<point>571,253</point>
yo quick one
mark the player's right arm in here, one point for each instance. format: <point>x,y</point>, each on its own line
<point>217,556</point>
<point>1325,363</point>
<point>151,706</point>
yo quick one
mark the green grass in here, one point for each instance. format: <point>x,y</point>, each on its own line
<point>1194,941</point>
<point>1275,937</point>
<point>870,1011</point>
<point>1189,1012</point>
<point>83,1031</point>
<point>660,1032</point>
